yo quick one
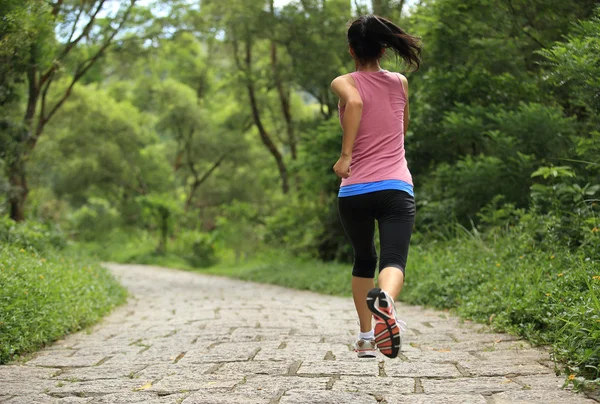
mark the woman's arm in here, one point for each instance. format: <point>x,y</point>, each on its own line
<point>344,87</point>
<point>404,82</point>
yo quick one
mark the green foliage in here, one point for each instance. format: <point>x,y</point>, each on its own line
<point>46,295</point>
<point>574,67</point>
<point>31,235</point>
<point>26,34</point>
<point>198,249</point>
<point>491,280</point>
<point>94,219</point>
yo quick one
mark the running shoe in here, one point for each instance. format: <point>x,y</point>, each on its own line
<point>388,327</point>
<point>365,348</point>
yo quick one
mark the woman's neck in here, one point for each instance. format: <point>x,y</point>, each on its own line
<point>373,67</point>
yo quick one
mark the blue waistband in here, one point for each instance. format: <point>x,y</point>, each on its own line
<point>368,187</point>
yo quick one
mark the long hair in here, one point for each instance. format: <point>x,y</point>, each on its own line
<point>368,35</point>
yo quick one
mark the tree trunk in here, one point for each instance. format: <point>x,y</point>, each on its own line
<point>264,135</point>
<point>19,191</point>
<point>17,173</point>
<point>284,101</point>
<point>283,97</point>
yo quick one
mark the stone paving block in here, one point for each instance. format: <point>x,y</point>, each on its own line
<point>475,385</point>
<point>243,334</point>
<point>268,386</point>
<point>255,367</point>
<point>227,352</point>
<point>59,361</point>
<point>329,397</point>
<point>46,399</point>
<point>540,397</point>
<point>156,372</point>
<point>105,371</point>
<point>293,350</point>
<point>224,398</point>
<point>377,385</point>
<point>516,355</point>
<point>429,339</point>
<point>435,399</point>
<point>503,368</point>
<point>25,386</point>
<point>541,382</point>
<point>190,382</point>
<point>363,367</point>
<point>475,346</point>
<point>92,388</point>
<point>438,356</point>
<point>18,372</point>
<point>417,369</point>
<point>137,397</point>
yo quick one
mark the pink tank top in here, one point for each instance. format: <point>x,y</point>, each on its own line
<point>378,152</point>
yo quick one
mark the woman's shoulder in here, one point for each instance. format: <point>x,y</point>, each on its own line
<point>402,77</point>
<point>343,79</point>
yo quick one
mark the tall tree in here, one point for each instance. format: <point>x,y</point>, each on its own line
<point>244,27</point>
<point>284,93</point>
<point>81,26</point>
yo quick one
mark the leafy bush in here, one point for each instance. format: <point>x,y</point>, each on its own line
<point>31,235</point>
<point>549,297</point>
<point>45,295</point>
<point>198,249</point>
<point>94,219</point>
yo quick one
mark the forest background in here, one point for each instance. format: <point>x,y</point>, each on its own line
<point>202,134</point>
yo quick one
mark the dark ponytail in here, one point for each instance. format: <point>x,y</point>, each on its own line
<point>369,35</point>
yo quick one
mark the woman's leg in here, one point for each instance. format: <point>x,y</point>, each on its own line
<point>396,216</point>
<point>360,288</point>
<point>391,279</point>
<point>359,225</point>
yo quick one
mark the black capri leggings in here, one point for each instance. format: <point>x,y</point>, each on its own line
<point>395,213</point>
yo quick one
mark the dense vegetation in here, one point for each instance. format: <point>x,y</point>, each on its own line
<point>197,134</point>
<point>46,291</point>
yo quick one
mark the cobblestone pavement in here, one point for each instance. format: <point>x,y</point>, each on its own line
<point>188,338</point>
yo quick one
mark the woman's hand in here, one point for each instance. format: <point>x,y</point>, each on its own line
<point>342,167</point>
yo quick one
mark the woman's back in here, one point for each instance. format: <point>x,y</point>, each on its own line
<point>378,153</point>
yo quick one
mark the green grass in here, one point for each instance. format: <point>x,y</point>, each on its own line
<point>46,295</point>
<point>316,276</point>
<point>548,298</point>
<point>139,247</point>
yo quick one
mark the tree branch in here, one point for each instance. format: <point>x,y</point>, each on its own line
<point>198,181</point>
<point>84,33</point>
<point>75,24</point>
<point>85,66</point>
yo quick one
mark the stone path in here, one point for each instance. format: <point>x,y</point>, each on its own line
<point>192,339</point>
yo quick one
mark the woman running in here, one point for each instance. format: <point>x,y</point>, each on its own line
<point>376,182</point>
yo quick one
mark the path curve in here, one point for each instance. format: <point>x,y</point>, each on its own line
<point>195,339</point>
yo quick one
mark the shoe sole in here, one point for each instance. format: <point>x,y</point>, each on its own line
<point>387,332</point>
<point>367,354</point>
